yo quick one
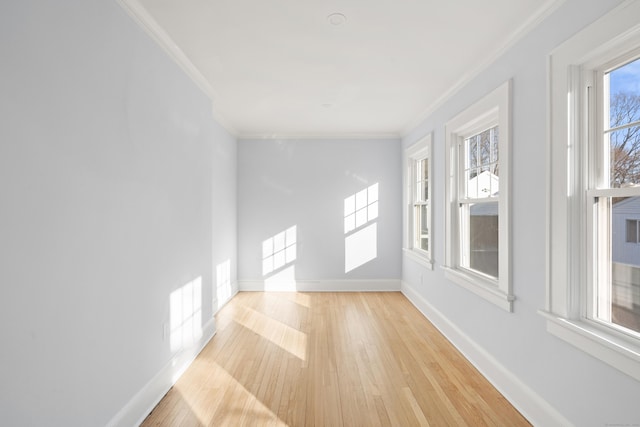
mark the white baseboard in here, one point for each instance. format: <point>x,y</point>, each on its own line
<point>234,292</point>
<point>137,409</point>
<point>390,285</point>
<point>530,404</point>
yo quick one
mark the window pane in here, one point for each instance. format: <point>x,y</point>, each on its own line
<point>632,231</point>
<point>424,228</point>
<point>421,180</point>
<point>481,174</point>
<point>471,182</point>
<point>425,180</point>
<point>624,89</point>
<point>624,292</point>
<point>483,185</point>
<point>472,158</point>
<point>416,225</point>
<point>485,147</point>
<point>483,238</point>
<point>420,191</point>
<point>494,148</point>
<point>425,169</point>
<point>421,227</point>
<point>417,179</point>
<point>625,156</point>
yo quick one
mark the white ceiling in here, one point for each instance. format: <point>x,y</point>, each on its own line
<point>279,68</point>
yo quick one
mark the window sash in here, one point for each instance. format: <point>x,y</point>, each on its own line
<point>419,232</point>
<point>468,255</point>
<point>419,227</point>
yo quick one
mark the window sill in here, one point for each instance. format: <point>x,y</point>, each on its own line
<point>416,256</point>
<point>487,289</point>
<point>615,351</point>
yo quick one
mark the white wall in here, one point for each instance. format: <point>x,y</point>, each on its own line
<point>303,183</point>
<point>116,188</point>
<point>528,364</point>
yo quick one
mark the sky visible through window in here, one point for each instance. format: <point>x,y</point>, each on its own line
<point>624,132</point>
<point>626,78</point>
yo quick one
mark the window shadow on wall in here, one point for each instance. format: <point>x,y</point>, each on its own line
<point>279,253</point>
<point>360,228</point>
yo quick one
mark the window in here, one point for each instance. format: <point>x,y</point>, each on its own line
<point>593,294</point>
<point>632,231</point>
<point>419,235</point>
<point>477,189</point>
<point>613,187</point>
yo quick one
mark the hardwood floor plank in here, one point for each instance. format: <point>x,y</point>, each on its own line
<point>330,359</point>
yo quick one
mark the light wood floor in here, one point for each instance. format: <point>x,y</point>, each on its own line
<point>330,359</point>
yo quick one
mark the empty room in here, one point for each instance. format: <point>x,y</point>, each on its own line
<point>319,213</point>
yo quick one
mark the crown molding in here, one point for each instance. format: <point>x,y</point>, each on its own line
<point>141,16</point>
<point>317,136</point>
<point>546,10</point>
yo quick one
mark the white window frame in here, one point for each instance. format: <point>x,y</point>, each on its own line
<point>417,152</point>
<point>493,109</point>
<point>570,228</point>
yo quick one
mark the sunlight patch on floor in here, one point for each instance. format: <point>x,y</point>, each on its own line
<point>241,407</point>
<point>284,336</point>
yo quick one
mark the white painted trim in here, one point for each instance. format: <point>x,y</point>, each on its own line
<point>485,288</point>
<point>234,292</point>
<point>318,135</point>
<point>384,285</point>
<point>418,258</point>
<point>530,404</point>
<point>143,402</point>
<point>150,26</point>
<point>619,353</point>
<point>534,20</point>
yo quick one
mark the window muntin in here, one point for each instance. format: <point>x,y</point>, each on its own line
<point>615,195</point>
<point>477,210</point>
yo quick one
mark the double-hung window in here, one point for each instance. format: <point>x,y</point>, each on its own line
<point>477,190</point>
<point>613,192</point>
<point>419,230</point>
<point>593,295</point>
